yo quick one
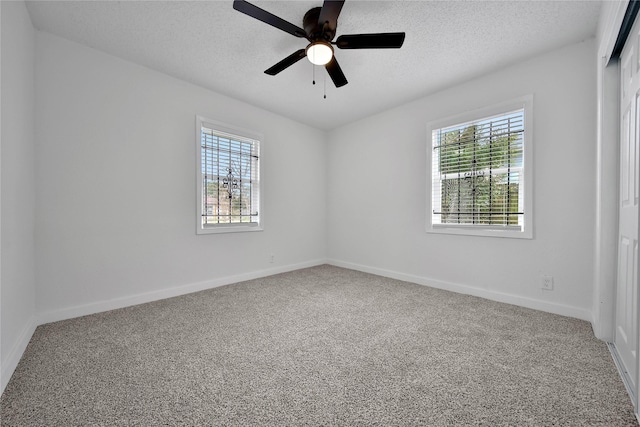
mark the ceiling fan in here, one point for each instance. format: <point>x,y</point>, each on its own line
<point>320,25</point>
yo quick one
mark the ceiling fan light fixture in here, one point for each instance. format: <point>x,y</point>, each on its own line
<point>319,53</point>
<point>320,26</point>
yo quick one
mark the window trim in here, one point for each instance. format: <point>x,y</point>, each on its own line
<point>525,103</point>
<point>202,121</point>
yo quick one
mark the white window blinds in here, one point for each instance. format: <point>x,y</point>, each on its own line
<point>477,173</point>
<point>229,173</point>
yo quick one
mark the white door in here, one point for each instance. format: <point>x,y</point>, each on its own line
<point>626,322</point>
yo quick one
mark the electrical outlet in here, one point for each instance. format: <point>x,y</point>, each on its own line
<point>546,283</point>
<point>271,258</point>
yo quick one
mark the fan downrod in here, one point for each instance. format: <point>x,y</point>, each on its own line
<point>316,30</point>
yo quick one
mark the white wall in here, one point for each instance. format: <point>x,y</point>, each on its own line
<point>116,158</point>
<point>377,185</point>
<point>17,280</point>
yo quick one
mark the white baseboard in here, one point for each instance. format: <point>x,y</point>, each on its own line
<point>112,304</point>
<point>15,354</point>
<point>561,309</point>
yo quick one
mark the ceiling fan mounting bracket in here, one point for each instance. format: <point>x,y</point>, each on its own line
<point>317,30</point>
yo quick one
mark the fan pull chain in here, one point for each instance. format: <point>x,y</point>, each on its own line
<point>324,82</point>
<point>325,85</point>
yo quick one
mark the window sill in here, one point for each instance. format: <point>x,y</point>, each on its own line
<point>231,228</point>
<point>483,231</point>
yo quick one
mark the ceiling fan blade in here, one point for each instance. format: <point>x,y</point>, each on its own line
<point>335,72</point>
<point>268,18</point>
<point>329,13</point>
<point>371,41</point>
<point>286,62</point>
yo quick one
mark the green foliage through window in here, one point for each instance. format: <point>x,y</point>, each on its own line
<point>478,171</point>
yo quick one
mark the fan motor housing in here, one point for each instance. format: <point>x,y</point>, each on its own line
<point>315,30</point>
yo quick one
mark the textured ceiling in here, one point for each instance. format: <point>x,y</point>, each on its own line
<point>216,47</point>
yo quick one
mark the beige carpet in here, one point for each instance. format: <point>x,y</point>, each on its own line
<point>321,346</point>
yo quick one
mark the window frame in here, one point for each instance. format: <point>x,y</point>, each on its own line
<point>524,103</point>
<point>218,126</point>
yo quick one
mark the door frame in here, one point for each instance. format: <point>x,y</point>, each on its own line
<point>615,22</point>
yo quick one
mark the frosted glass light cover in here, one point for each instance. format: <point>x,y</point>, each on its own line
<point>319,53</point>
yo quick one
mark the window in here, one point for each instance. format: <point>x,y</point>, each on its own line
<point>228,178</point>
<point>480,164</point>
